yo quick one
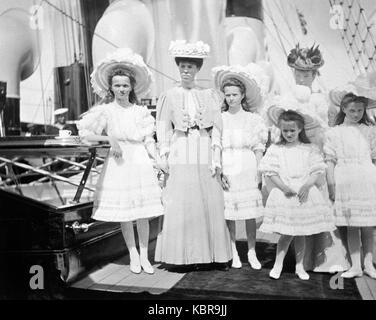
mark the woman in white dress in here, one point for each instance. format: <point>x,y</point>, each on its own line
<point>189,125</point>
<point>127,189</point>
<point>350,150</point>
<point>243,143</point>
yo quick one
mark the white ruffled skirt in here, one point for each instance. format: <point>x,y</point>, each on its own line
<point>127,189</point>
<point>355,202</point>
<point>288,217</point>
<point>243,200</point>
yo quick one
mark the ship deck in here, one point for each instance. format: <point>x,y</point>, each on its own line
<point>115,281</point>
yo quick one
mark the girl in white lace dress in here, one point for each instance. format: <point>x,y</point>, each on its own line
<point>243,143</point>
<point>127,189</point>
<point>295,207</point>
<point>350,151</point>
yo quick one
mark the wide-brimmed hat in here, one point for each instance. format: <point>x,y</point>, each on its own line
<point>125,59</point>
<point>274,112</point>
<point>253,77</point>
<point>60,111</point>
<point>364,86</point>
<point>305,58</point>
<point>184,49</point>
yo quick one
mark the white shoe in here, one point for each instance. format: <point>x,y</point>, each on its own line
<point>302,274</point>
<point>134,267</point>
<point>352,273</point>
<point>370,272</point>
<point>236,263</point>
<point>253,261</point>
<point>275,273</point>
<point>146,266</point>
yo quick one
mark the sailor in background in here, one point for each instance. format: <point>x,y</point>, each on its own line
<point>61,123</point>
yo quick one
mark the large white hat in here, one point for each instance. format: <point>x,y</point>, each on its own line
<point>275,111</point>
<point>126,59</point>
<point>60,111</point>
<point>253,77</point>
<point>364,85</point>
<point>182,48</point>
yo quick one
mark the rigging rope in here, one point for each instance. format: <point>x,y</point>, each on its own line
<point>356,35</point>
<point>277,31</point>
<point>286,20</point>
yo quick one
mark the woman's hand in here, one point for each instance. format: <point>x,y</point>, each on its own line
<point>222,179</point>
<point>332,191</point>
<point>162,178</point>
<point>303,192</point>
<point>115,148</point>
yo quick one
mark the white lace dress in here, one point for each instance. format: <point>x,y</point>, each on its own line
<point>127,189</point>
<point>352,149</point>
<point>288,216</point>
<point>242,137</point>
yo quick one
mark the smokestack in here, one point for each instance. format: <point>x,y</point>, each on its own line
<point>19,57</point>
<point>244,31</point>
<point>125,23</point>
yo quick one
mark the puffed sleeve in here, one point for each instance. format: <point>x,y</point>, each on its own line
<point>217,119</point>
<point>93,122</point>
<point>260,134</point>
<point>316,161</point>
<point>270,163</point>
<point>164,125</point>
<point>329,147</point>
<point>147,125</point>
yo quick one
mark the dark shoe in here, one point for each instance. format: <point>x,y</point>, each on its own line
<point>221,266</point>
<point>203,267</point>
<point>183,268</point>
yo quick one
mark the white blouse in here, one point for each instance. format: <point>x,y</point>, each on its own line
<point>248,131</point>
<point>134,123</point>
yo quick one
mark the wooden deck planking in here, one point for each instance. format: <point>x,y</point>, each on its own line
<point>97,275</point>
<point>371,283</point>
<point>166,282</point>
<point>145,284</point>
<point>127,283</point>
<point>116,276</point>
<point>112,278</point>
<point>364,289</point>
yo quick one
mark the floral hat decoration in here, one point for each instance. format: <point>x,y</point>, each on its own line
<point>182,48</point>
<point>364,86</point>
<point>125,59</point>
<point>305,58</point>
<point>253,77</point>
